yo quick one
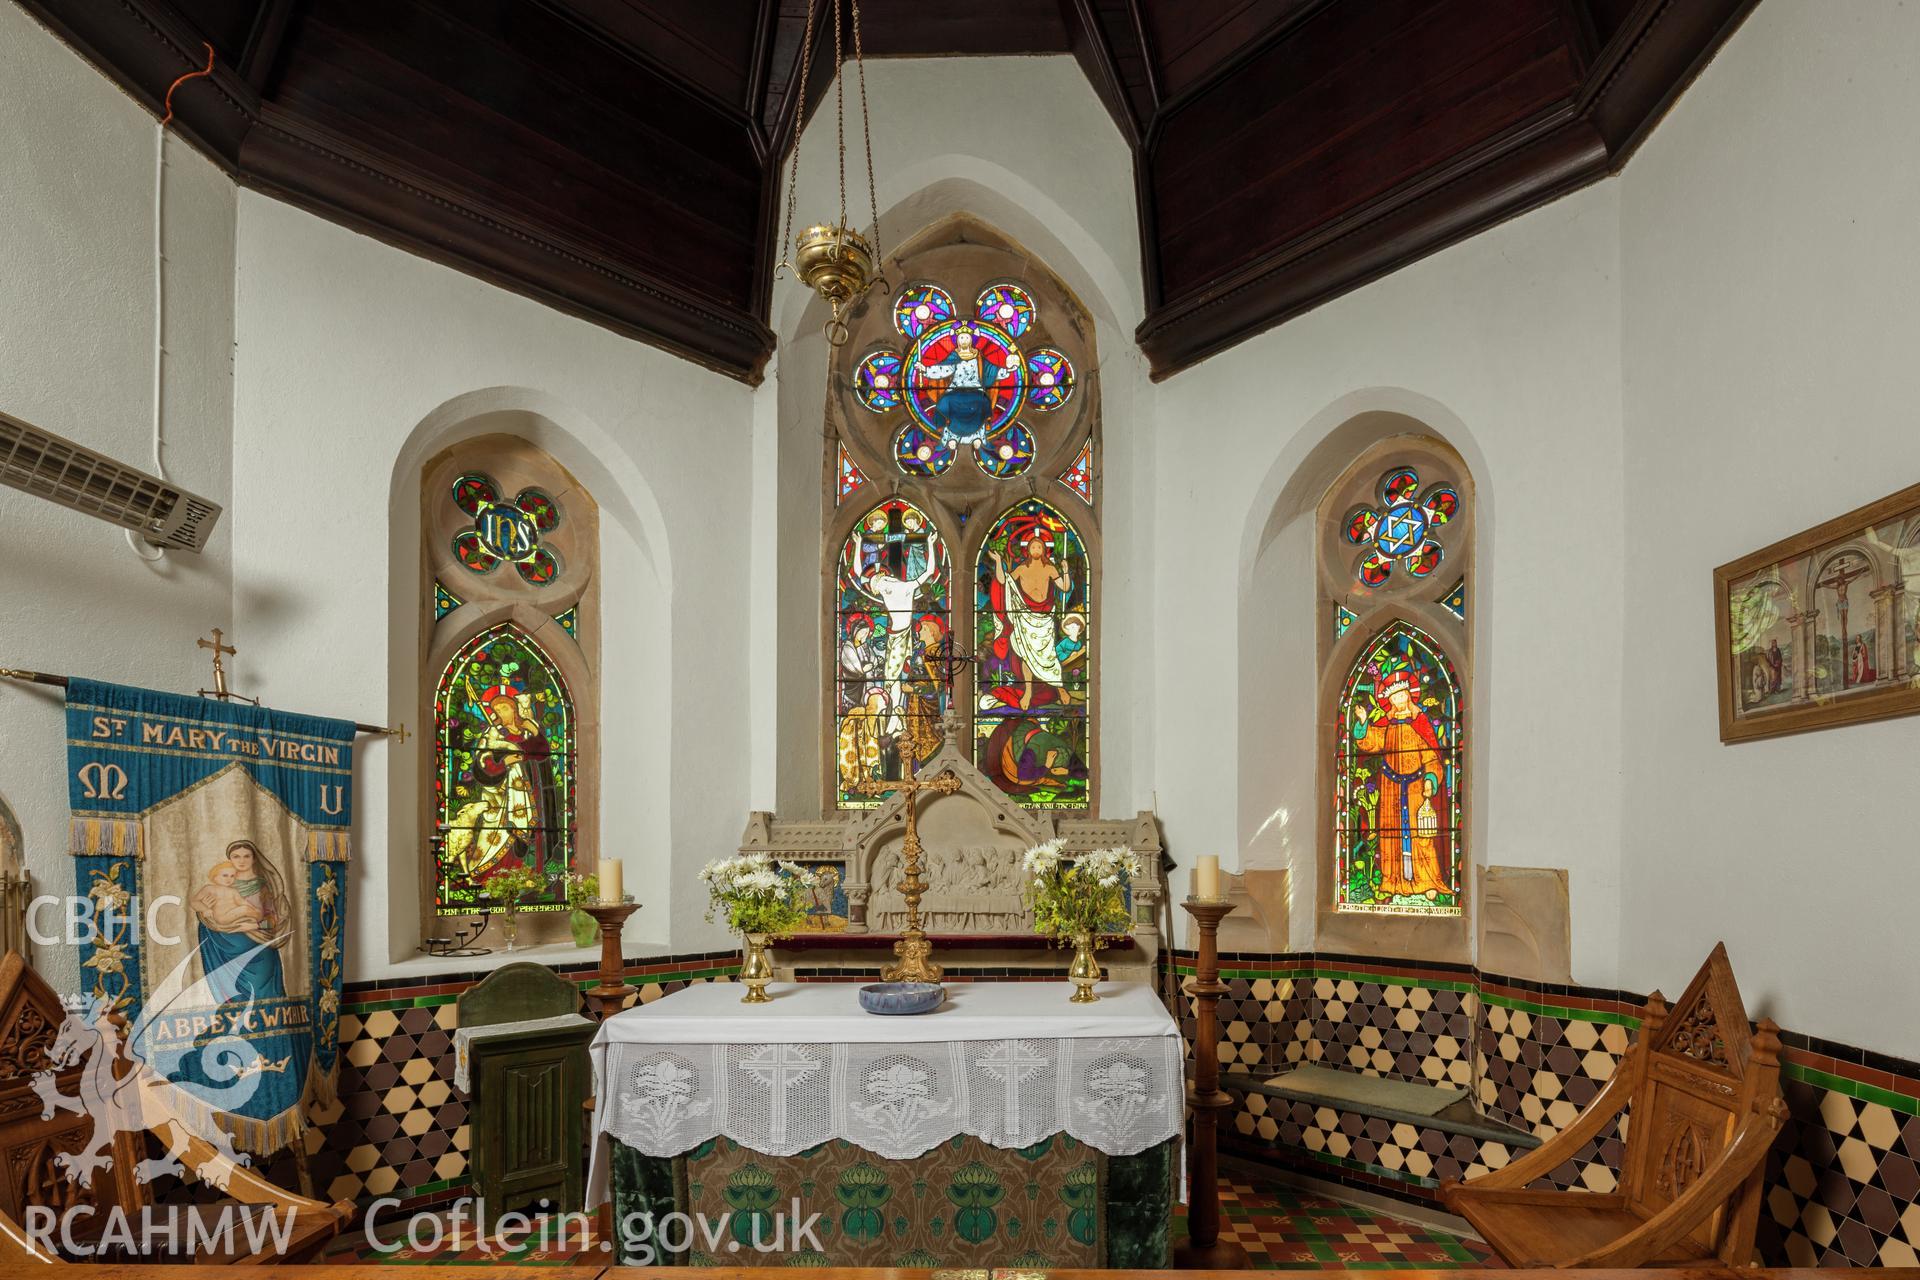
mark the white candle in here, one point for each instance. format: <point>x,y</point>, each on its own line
<point>1206,876</point>
<point>610,880</point>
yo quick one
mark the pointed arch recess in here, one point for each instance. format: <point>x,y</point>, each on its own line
<point>971,386</point>
<point>509,677</point>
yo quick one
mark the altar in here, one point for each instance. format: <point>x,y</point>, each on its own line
<point>1007,1128</point>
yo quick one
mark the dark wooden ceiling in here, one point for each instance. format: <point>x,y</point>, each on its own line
<point>620,158</point>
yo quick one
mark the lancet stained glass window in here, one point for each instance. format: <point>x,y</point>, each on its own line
<point>504,759</point>
<point>892,646</point>
<point>1033,648</point>
<point>1398,766</point>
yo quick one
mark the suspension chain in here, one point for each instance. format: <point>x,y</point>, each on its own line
<point>799,121</point>
<point>866,130</point>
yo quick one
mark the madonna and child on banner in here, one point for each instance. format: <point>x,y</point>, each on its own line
<point>210,840</point>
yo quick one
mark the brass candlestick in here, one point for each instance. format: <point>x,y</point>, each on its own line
<point>914,951</point>
<point>1204,1249</point>
<point>611,996</point>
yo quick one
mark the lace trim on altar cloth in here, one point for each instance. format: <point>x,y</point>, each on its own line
<point>898,1101</point>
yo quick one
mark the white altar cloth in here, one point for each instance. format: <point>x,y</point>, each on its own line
<point>1010,1063</point>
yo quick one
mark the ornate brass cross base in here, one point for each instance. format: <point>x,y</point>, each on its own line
<point>914,951</point>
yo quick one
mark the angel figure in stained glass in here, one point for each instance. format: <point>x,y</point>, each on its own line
<point>1406,749</point>
<point>961,412</point>
<point>509,764</point>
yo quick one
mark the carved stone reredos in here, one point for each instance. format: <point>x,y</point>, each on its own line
<point>973,841</point>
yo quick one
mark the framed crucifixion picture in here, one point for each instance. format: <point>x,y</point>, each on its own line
<point>1823,628</point>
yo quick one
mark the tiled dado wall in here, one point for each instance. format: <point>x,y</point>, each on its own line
<point>1843,1181</point>
<point>399,1127</point>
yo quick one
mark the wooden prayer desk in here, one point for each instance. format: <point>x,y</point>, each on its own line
<point>1009,1128</point>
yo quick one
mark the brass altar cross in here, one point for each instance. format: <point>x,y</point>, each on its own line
<point>219,668</point>
<point>915,953</point>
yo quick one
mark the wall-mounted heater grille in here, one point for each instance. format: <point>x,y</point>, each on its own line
<point>57,469</point>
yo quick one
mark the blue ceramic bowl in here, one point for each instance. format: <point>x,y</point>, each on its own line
<point>898,998</point>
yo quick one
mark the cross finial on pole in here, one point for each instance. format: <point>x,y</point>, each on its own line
<point>219,667</point>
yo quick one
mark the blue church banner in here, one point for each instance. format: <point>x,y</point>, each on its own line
<point>211,840</point>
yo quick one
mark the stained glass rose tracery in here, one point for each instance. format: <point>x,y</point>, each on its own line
<point>1400,531</point>
<point>506,531</point>
<point>963,380</point>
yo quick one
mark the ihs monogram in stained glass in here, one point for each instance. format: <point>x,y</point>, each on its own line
<point>506,531</point>
<point>963,380</point>
<point>1400,531</point>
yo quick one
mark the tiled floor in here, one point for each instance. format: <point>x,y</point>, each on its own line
<point>1287,1230</point>
<point>1281,1229</point>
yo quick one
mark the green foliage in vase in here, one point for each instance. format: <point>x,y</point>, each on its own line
<point>1087,894</point>
<point>510,884</point>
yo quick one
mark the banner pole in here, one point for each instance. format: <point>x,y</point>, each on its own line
<point>60,682</point>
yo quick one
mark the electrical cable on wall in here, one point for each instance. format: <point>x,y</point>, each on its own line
<point>160,289</point>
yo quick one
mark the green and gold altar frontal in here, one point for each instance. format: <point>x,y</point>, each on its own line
<point>1058,1203</point>
<point>1008,1128</point>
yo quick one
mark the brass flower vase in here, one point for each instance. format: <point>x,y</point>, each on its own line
<point>1085,970</point>
<point>756,971</point>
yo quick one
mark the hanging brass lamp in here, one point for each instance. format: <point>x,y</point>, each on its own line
<point>833,259</point>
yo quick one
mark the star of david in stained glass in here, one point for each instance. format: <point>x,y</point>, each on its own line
<point>1400,530</point>
<point>506,531</point>
<point>963,380</point>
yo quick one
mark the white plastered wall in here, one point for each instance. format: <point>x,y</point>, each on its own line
<point>355,363</point>
<point>76,357</point>
<point>1507,346</point>
<point>1772,267</point>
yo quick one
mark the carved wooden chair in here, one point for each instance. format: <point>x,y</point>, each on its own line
<point>30,1019</point>
<point>1705,1107</point>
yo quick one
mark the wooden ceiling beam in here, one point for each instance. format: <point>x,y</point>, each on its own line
<point>261,62</point>
<point>1333,142</point>
<point>1482,143</point>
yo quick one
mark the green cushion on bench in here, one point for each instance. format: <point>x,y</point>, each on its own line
<point>1368,1092</point>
